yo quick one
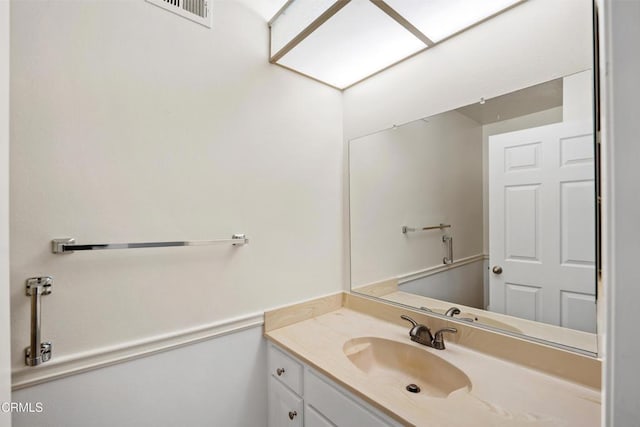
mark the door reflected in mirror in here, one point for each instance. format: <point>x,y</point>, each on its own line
<point>485,213</point>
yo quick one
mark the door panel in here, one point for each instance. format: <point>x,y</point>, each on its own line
<point>578,223</point>
<point>577,311</point>
<point>521,222</point>
<point>522,157</point>
<point>542,222</point>
<point>522,301</point>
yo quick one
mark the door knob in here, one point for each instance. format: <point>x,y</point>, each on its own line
<point>497,269</point>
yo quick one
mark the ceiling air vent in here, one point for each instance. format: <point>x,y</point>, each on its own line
<point>194,10</point>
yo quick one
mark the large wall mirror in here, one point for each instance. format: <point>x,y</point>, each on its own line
<point>485,213</point>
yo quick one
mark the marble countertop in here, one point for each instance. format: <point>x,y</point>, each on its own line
<point>502,393</point>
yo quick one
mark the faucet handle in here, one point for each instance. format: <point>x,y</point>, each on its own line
<point>438,340</point>
<point>409,319</point>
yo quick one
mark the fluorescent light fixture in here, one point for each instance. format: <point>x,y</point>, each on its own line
<point>356,42</point>
<point>297,16</point>
<point>439,19</point>
<point>341,42</point>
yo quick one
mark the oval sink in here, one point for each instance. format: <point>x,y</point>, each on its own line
<point>395,364</point>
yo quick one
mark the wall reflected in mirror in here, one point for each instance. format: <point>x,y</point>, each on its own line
<point>504,187</point>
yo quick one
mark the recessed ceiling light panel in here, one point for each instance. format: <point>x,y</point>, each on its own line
<point>341,42</point>
<point>439,19</point>
<point>297,16</point>
<point>357,41</point>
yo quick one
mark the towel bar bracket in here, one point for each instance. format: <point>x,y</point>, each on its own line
<point>448,241</point>
<point>58,245</point>
<point>38,352</point>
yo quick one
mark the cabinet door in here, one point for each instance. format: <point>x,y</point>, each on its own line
<point>313,418</point>
<point>337,406</point>
<point>285,407</point>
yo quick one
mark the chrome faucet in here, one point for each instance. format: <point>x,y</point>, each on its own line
<point>452,311</point>
<point>422,334</point>
<point>419,333</point>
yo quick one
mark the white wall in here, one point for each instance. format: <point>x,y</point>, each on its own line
<point>535,42</point>
<point>130,124</point>
<point>577,96</point>
<point>460,285</point>
<point>5,365</point>
<point>423,173</point>
<point>622,209</point>
<point>223,384</point>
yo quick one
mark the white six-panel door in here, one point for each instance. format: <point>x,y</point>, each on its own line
<point>542,224</point>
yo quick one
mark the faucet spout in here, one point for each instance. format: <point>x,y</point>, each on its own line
<point>452,312</point>
<point>419,333</point>
<point>422,334</point>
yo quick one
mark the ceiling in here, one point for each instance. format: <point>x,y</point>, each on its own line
<point>342,42</point>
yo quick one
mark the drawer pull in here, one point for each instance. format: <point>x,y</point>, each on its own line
<point>292,414</point>
<point>280,371</point>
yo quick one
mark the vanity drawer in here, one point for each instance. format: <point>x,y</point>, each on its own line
<point>285,369</point>
<point>337,406</point>
<point>286,409</point>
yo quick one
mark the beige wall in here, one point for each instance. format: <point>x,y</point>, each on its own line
<point>130,124</point>
<point>5,370</point>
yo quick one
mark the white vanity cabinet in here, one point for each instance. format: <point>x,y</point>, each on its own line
<point>300,396</point>
<point>285,407</point>
<point>285,389</point>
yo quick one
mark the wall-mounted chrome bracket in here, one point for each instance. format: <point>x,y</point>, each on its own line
<point>448,240</point>
<point>58,246</point>
<point>38,352</point>
<point>240,239</point>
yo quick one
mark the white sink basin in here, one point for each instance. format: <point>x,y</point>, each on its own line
<point>395,364</point>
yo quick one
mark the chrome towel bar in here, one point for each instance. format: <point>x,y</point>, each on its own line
<point>68,245</point>
<point>406,229</point>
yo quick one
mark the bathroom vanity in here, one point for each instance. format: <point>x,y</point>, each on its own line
<point>347,360</point>
<point>300,396</point>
